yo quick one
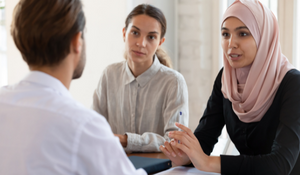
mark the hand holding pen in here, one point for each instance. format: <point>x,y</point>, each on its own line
<point>177,156</point>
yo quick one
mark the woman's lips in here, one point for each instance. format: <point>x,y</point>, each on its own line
<point>234,57</point>
<point>138,53</point>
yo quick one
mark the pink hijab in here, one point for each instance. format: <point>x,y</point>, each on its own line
<point>252,89</point>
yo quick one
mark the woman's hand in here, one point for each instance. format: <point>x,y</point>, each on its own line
<point>123,139</point>
<point>174,154</point>
<point>190,145</point>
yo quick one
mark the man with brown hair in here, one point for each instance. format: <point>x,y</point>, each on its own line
<point>42,129</point>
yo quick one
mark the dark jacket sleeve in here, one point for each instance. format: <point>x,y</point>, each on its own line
<point>212,121</point>
<point>285,149</point>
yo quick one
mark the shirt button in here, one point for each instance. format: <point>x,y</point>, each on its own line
<point>240,105</point>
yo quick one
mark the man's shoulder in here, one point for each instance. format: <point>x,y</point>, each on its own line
<point>46,102</point>
<point>70,108</point>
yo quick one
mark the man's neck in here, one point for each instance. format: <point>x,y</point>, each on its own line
<point>63,75</point>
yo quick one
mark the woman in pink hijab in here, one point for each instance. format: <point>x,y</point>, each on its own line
<point>256,96</point>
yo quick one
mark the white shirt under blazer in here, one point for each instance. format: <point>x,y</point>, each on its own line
<point>44,131</point>
<point>146,107</point>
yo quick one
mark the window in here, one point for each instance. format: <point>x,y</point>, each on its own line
<point>3,48</point>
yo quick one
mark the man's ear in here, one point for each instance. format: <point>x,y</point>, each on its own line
<point>76,43</point>
<point>162,41</point>
<point>124,34</point>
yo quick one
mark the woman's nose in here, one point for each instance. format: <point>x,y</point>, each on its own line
<point>232,43</point>
<point>141,42</point>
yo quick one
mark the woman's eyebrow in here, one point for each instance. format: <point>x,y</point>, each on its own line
<point>153,32</point>
<point>238,28</point>
<point>241,27</point>
<point>224,28</point>
<point>136,27</point>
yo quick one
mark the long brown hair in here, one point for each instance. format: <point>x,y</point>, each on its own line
<point>149,10</point>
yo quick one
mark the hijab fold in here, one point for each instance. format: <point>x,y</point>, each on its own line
<point>252,89</point>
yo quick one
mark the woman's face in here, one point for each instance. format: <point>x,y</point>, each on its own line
<point>142,38</point>
<point>238,44</point>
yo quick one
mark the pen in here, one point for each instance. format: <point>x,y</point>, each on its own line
<point>180,115</point>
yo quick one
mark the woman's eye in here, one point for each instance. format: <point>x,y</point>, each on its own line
<point>243,34</point>
<point>152,37</point>
<point>134,32</point>
<point>225,34</point>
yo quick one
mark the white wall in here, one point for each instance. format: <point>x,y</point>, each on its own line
<point>3,48</point>
<point>16,67</point>
<point>198,56</point>
<point>105,20</point>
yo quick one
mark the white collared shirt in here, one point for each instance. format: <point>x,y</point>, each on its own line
<point>43,131</point>
<point>145,108</point>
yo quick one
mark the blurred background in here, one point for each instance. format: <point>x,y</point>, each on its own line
<point>192,41</point>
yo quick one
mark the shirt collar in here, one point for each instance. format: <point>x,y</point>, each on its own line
<point>129,77</point>
<point>145,77</point>
<point>47,80</point>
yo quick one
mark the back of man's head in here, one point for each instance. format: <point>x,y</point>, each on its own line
<point>43,29</point>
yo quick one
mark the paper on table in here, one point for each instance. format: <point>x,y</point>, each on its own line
<point>185,170</point>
